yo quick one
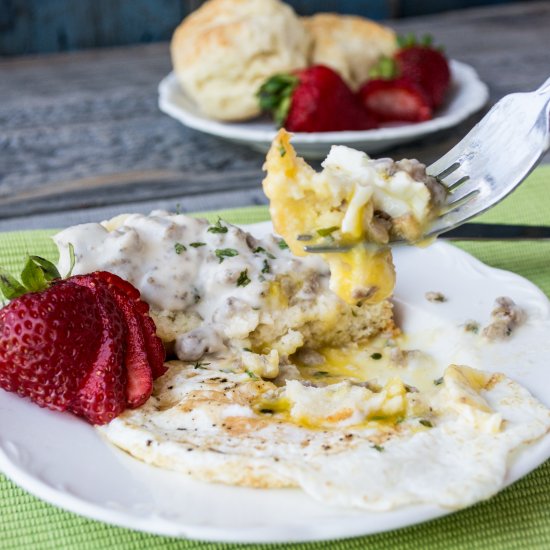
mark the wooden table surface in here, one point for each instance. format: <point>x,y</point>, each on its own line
<point>86,125</point>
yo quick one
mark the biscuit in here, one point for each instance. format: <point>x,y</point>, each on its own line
<point>348,44</point>
<point>225,50</point>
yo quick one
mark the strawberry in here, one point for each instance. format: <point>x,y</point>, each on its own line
<point>397,100</point>
<point>426,66</point>
<point>315,99</point>
<point>137,369</point>
<point>47,344</point>
<point>102,396</point>
<point>84,344</point>
<point>155,348</point>
<point>156,353</point>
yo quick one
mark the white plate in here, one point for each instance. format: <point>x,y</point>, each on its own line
<point>467,95</point>
<point>64,461</point>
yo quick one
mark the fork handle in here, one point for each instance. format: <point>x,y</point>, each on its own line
<point>544,87</point>
<point>544,91</point>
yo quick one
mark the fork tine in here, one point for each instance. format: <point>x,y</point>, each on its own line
<point>455,205</point>
<point>442,175</point>
<point>319,249</point>
<point>454,186</point>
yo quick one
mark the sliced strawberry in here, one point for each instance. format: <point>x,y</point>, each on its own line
<point>139,377</point>
<point>47,343</point>
<point>129,289</point>
<point>155,348</point>
<point>77,344</point>
<point>102,396</point>
<point>156,353</point>
<point>397,100</point>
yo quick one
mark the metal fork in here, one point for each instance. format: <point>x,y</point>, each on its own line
<point>491,161</point>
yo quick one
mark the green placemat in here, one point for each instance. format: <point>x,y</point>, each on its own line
<point>518,517</point>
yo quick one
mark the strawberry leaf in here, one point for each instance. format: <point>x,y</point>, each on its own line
<point>33,277</point>
<point>275,95</point>
<point>386,69</point>
<point>427,40</point>
<point>406,41</point>
<point>11,288</point>
<point>48,269</point>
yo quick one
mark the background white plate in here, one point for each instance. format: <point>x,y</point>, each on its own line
<point>63,460</point>
<point>467,95</point>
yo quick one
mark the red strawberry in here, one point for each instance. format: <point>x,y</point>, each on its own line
<point>48,341</point>
<point>315,99</point>
<point>155,348</point>
<point>397,100</point>
<point>156,353</point>
<point>137,370</point>
<point>426,66</point>
<point>102,396</point>
<point>79,344</point>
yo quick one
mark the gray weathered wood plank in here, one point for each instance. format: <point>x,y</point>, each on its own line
<point>92,116</point>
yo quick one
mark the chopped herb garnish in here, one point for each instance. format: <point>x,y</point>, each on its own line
<point>217,227</point>
<point>327,231</point>
<point>282,244</point>
<point>196,245</point>
<point>261,278</point>
<point>426,423</point>
<point>179,248</point>
<point>304,237</point>
<point>438,381</point>
<point>243,279</point>
<point>199,365</point>
<point>378,448</point>
<point>267,411</point>
<point>260,249</point>
<point>282,151</point>
<point>376,356</point>
<point>247,349</point>
<point>222,253</point>
<point>435,297</point>
<point>251,374</point>
<point>266,268</point>
<point>321,373</point>
<point>472,326</point>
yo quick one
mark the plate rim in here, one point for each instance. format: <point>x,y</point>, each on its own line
<point>169,85</point>
<point>260,533</point>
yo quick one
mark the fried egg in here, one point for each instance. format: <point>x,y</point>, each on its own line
<point>343,444</point>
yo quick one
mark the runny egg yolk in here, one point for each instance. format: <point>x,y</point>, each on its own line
<point>338,205</point>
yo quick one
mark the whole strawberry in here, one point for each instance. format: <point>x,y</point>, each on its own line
<point>315,99</point>
<point>426,66</point>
